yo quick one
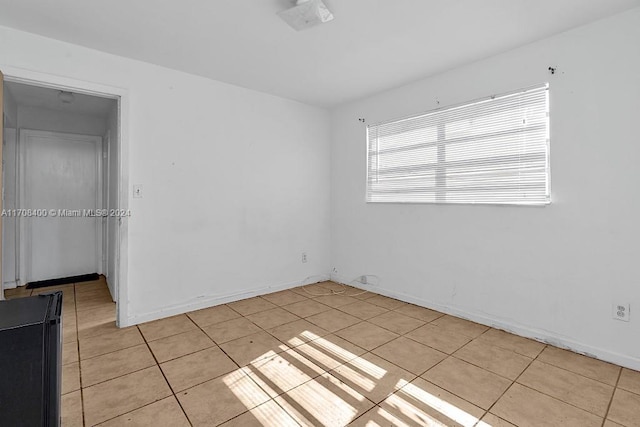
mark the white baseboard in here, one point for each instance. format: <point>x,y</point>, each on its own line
<point>547,337</point>
<point>213,300</point>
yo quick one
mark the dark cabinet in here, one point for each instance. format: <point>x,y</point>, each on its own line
<point>30,360</point>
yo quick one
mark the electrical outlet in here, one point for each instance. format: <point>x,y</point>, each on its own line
<point>304,257</point>
<point>363,280</point>
<point>621,312</point>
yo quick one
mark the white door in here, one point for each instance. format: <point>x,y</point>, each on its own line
<point>61,175</point>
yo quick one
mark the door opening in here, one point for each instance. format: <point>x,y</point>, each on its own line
<point>62,182</point>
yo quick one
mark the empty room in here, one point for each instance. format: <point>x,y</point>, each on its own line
<point>320,213</point>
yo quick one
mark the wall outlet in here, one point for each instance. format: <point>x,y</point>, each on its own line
<point>621,312</point>
<point>363,280</point>
<point>304,257</point>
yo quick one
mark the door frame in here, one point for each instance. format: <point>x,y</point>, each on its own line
<point>121,95</point>
<point>25,224</point>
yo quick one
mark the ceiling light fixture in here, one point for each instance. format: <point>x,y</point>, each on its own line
<point>66,97</point>
<point>306,14</point>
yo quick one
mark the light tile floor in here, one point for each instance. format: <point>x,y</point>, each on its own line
<point>289,359</point>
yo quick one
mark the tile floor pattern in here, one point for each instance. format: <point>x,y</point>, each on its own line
<point>289,359</point>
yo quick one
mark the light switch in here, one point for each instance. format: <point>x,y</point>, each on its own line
<point>137,191</point>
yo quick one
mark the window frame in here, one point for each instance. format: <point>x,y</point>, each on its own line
<point>440,197</point>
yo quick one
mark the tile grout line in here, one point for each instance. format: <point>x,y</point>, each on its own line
<point>606,414</point>
<point>75,306</point>
<point>553,397</point>
<point>239,367</point>
<point>290,348</point>
<point>514,381</point>
<point>173,393</point>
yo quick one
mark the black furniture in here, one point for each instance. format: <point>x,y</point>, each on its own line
<point>30,360</point>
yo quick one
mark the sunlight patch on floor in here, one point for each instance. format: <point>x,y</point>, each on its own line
<point>328,400</point>
<point>443,407</point>
<point>247,391</point>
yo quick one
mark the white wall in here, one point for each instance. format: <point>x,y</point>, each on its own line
<point>9,223</point>
<point>10,109</point>
<point>60,121</point>
<point>113,185</point>
<point>551,272</point>
<point>236,182</point>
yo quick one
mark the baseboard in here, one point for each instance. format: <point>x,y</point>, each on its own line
<point>547,337</point>
<point>213,300</point>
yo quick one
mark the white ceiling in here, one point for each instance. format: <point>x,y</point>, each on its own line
<point>34,96</point>
<point>372,45</point>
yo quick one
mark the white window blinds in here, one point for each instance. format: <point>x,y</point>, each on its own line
<point>493,151</point>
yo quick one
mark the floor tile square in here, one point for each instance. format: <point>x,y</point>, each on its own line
<point>96,322</point>
<point>583,392</point>
<point>410,355</point>
<point>438,339</point>
<point>583,365</point>
<point>253,347</point>
<point>386,302</point>
<point>271,318</point>
<point>367,335</point>
<point>498,360</point>
<point>116,364</point>
<point>490,420</point>
<point>179,345</point>
<point>335,301</point>
<point>70,352</point>
<point>124,394</point>
<point>70,378</point>
<point>396,322</point>
<point>329,351</point>
<point>165,412</point>
<point>306,308</point>
<point>298,332</point>
<point>421,401</point>
<point>378,417</point>
<point>221,399</point>
<point>520,345</point>
<point>71,409</point>
<point>455,325</point>
<point>230,330</point>
<point>251,305</point>
<point>70,334</point>
<point>282,372</point>
<point>473,384</point>
<point>267,414</point>
<point>333,320</point>
<point>525,407</point>
<point>324,401</point>
<point>166,327</point>
<point>110,342</point>
<point>372,376</point>
<point>363,310</point>
<point>625,408</point>
<point>196,368</point>
<point>630,380</point>
<point>212,315</point>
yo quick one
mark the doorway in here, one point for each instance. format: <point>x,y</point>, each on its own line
<point>68,165</point>
<point>61,183</point>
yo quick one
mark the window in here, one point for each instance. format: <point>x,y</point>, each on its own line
<point>492,151</point>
